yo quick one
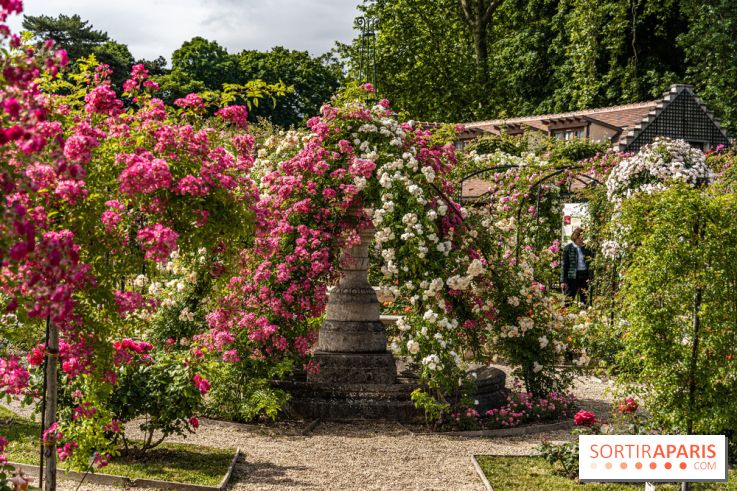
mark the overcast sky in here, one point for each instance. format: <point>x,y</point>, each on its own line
<point>157,27</point>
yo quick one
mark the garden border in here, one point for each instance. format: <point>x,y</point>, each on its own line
<point>520,430</point>
<point>127,482</point>
<point>481,474</point>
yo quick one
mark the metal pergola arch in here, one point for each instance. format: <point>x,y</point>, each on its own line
<point>535,186</point>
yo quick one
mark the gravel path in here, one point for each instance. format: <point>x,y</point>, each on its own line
<point>365,456</point>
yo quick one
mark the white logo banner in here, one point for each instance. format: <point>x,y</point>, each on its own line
<point>653,458</point>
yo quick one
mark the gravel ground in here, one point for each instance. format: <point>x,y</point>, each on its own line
<point>366,456</point>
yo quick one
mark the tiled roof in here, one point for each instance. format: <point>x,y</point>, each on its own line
<point>625,116</point>
<point>475,187</point>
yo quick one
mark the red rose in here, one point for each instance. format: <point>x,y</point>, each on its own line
<point>584,418</point>
<point>628,406</point>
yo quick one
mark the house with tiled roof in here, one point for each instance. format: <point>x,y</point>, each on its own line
<point>678,114</point>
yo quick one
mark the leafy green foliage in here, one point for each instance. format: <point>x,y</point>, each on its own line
<point>161,393</point>
<point>434,409</point>
<point>313,79</point>
<point>301,82</point>
<point>565,455</point>
<point>169,462</point>
<point>242,391</point>
<point>439,61</point>
<point>678,299</point>
<point>80,41</point>
<point>71,33</point>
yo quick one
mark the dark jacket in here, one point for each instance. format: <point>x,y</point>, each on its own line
<point>570,260</point>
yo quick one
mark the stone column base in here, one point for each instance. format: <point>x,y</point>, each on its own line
<point>354,368</point>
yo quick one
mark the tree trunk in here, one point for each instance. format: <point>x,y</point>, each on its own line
<point>477,16</point>
<point>481,53</point>
<point>52,354</point>
<point>693,362</point>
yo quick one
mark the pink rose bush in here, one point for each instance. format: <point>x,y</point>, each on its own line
<point>98,194</point>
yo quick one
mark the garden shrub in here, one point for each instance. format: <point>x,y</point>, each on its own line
<point>166,391</point>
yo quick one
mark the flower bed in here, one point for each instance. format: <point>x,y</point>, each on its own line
<point>522,408</point>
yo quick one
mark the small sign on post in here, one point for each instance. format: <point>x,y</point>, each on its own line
<point>649,486</point>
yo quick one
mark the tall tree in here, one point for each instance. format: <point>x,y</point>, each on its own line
<point>155,67</point>
<point>72,33</point>
<point>315,80</point>
<point>206,61</point>
<point>461,60</point>
<point>711,55</point>
<point>80,40</point>
<point>477,15</point>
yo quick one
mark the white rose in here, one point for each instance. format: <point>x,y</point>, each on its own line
<point>543,340</point>
<point>413,346</point>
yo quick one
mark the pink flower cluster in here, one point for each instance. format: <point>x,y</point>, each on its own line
<point>52,434</point>
<point>585,418</point>
<point>127,350</point>
<point>111,218</point>
<point>191,101</point>
<point>157,241</point>
<point>202,384</point>
<point>13,376</point>
<point>629,405</point>
<point>103,100</point>
<point>83,411</point>
<point>66,450</point>
<point>524,407</point>
<point>75,358</point>
<point>128,301</point>
<point>144,174</point>
<point>238,115</point>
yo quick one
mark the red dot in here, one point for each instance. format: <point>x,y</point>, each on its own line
<point>638,465</point>
<point>623,465</point>
<point>683,465</point>
<point>653,465</point>
<point>668,465</point>
<point>608,465</point>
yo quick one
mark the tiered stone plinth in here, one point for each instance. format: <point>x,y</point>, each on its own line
<point>351,346</point>
<point>358,376</point>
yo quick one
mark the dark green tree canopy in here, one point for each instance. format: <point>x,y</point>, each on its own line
<point>72,33</point>
<point>205,65</point>
<point>206,61</point>
<point>462,60</point>
<point>314,80</point>
<point>80,40</point>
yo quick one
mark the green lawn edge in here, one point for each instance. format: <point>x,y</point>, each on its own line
<point>525,473</point>
<point>175,462</point>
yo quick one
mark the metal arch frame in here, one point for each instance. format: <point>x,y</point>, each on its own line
<point>537,184</point>
<point>367,49</point>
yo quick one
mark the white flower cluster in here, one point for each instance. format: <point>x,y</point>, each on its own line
<point>610,249</point>
<point>432,362</point>
<point>458,282</point>
<point>654,166</point>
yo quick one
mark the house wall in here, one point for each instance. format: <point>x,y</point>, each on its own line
<point>600,133</point>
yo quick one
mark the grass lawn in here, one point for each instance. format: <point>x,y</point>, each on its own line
<point>534,474</point>
<point>169,462</point>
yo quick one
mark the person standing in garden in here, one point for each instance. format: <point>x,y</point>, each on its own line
<point>574,268</point>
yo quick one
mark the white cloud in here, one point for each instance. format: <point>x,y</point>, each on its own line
<point>157,27</point>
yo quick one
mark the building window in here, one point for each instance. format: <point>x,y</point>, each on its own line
<point>570,134</point>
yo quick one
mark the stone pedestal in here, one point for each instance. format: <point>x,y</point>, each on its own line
<point>358,376</point>
<point>351,346</point>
